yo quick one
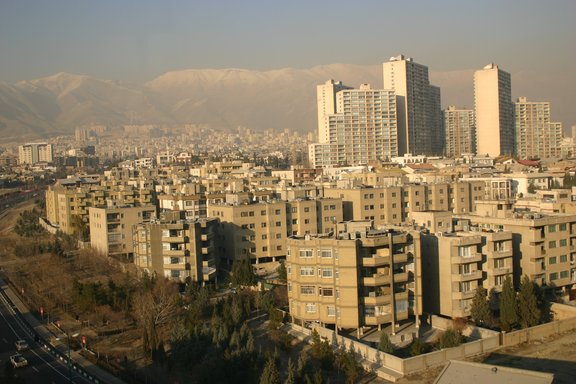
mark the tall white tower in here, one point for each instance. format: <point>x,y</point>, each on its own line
<point>494,111</point>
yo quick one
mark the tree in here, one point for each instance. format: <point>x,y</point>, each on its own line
<point>385,344</point>
<point>480,309</point>
<point>28,224</point>
<point>270,374</point>
<point>282,274</point>
<point>291,373</point>
<point>531,187</point>
<point>450,339</point>
<point>508,306</point>
<point>528,310</point>
<point>155,306</point>
<point>243,273</point>
<point>417,348</point>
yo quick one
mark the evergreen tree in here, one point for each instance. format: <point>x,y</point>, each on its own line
<point>385,344</point>
<point>417,348</point>
<point>243,273</point>
<point>508,306</point>
<point>528,310</point>
<point>480,310</point>
<point>450,338</point>
<point>291,373</point>
<point>270,374</point>
<point>282,273</point>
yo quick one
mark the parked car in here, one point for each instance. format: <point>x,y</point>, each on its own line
<point>18,361</point>
<point>21,345</point>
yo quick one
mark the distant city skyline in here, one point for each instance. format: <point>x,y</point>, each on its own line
<point>137,41</point>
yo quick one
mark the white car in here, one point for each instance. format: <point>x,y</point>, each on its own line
<point>18,361</point>
<point>21,345</point>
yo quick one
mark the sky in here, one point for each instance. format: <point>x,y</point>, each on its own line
<point>138,40</point>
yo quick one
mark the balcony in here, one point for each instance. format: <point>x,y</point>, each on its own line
<point>175,252</point>
<point>114,238</point>
<point>476,275</point>
<point>501,271</point>
<point>378,298</point>
<point>208,273</point>
<point>501,254</point>
<point>473,258</point>
<point>463,295</point>
<point>378,319</point>
<point>206,250</point>
<point>206,236</point>
<point>175,239</point>
<point>401,296</point>
<point>400,258</point>
<point>375,261</point>
<point>376,280</point>
<point>400,277</point>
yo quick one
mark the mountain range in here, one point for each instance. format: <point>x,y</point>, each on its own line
<point>222,98</point>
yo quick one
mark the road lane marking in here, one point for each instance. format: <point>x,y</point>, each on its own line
<point>36,369</point>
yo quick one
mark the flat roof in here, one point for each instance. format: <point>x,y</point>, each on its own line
<point>457,372</point>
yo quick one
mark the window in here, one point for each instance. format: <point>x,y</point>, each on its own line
<point>306,209</point>
<point>305,253</point>
<point>307,290</point>
<point>329,292</point>
<point>278,247</point>
<point>326,272</point>
<point>264,249</point>
<point>553,276</point>
<point>552,260</point>
<point>311,308</point>
<point>552,244</point>
<point>263,212</point>
<point>263,225</point>
<point>325,253</point>
<point>277,212</point>
<point>563,242</point>
<point>264,237</point>
<point>552,228</point>
<point>563,258</point>
<point>562,227</point>
<point>499,263</point>
<point>465,286</point>
<point>464,252</point>
<point>306,271</point>
<point>278,235</point>
<point>563,274</point>
<point>278,223</point>
<point>499,280</point>
<point>331,310</point>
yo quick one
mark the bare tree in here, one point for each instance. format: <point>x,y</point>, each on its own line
<point>155,306</point>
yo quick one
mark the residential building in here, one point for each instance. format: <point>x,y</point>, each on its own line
<point>362,129</point>
<point>418,106</point>
<point>33,153</point>
<point>358,277</point>
<point>178,249</point>
<point>258,230</point>
<point>494,112</point>
<point>326,101</point>
<point>543,244</point>
<point>111,228</point>
<point>460,131</point>
<point>536,135</point>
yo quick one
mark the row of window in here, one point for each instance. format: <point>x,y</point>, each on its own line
<point>322,291</point>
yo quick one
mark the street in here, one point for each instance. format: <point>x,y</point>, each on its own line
<point>43,366</point>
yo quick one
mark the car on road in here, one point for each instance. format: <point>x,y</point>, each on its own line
<point>18,361</point>
<point>21,345</point>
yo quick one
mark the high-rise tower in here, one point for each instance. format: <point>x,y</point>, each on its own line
<point>418,120</point>
<point>494,111</point>
<point>326,99</point>
<point>536,135</point>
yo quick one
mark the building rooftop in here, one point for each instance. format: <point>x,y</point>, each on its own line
<point>457,372</point>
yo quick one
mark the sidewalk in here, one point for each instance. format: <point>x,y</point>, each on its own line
<point>94,373</point>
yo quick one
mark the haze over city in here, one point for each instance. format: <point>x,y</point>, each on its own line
<point>135,42</point>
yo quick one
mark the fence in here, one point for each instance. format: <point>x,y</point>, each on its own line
<point>391,367</point>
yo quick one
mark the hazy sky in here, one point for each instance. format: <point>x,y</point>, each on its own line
<point>140,39</point>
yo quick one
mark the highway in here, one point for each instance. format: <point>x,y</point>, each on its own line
<point>43,366</point>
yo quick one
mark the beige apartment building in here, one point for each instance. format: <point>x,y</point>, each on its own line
<point>33,153</point>
<point>494,112</point>
<point>457,263</point>
<point>361,277</point>
<point>418,105</point>
<point>460,131</point>
<point>178,249</point>
<point>536,135</point>
<point>393,205</point>
<point>543,244</point>
<point>326,102</point>
<point>258,230</point>
<point>111,228</point>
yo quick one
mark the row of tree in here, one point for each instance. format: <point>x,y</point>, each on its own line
<point>525,308</point>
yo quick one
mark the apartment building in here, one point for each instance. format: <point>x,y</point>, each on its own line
<point>194,206</point>
<point>543,244</point>
<point>359,277</point>
<point>33,153</point>
<point>259,229</point>
<point>460,131</point>
<point>457,263</point>
<point>393,205</point>
<point>178,249</point>
<point>536,135</point>
<point>111,228</point>
<point>418,106</point>
<point>494,112</point>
